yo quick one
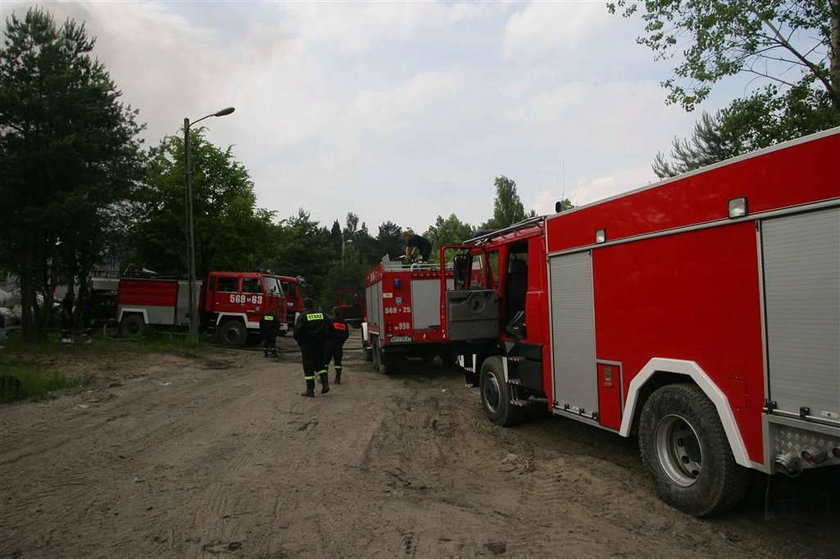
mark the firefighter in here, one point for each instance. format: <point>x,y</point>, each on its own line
<point>337,334</point>
<point>417,248</point>
<point>310,333</point>
<point>269,324</point>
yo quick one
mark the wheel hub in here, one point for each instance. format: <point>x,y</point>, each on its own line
<point>678,449</point>
<point>492,393</point>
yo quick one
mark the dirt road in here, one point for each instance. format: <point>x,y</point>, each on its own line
<point>182,455</point>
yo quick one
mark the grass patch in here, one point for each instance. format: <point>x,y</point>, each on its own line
<point>154,342</point>
<point>39,370</point>
<point>34,383</point>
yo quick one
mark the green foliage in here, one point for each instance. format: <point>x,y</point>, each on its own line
<point>231,233</point>
<point>760,120</point>
<point>33,383</point>
<point>360,240</point>
<point>763,38</point>
<point>792,45</point>
<point>390,241</point>
<point>336,239</point>
<point>347,273</point>
<point>446,232</point>
<point>68,156</point>
<point>507,207</point>
<point>300,248</point>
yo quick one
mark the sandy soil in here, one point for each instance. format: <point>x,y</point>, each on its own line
<point>218,455</point>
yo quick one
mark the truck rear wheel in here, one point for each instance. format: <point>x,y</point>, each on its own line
<point>376,354</point>
<point>233,333</point>
<point>496,395</point>
<point>685,450</point>
<point>381,362</point>
<point>132,326</point>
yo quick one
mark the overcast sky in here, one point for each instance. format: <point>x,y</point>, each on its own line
<point>398,111</point>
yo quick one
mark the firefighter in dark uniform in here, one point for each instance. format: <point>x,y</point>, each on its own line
<point>269,324</point>
<point>337,334</point>
<point>417,248</point>
<point>310,333</point>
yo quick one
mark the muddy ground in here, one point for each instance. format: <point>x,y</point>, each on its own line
<point>207,455</point>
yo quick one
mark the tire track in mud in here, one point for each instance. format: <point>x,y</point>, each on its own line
<point>85,458</point>
<point>236,464</point>
<point>223,497</point>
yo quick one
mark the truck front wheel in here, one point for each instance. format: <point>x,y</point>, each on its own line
<point>233,333</point>
<point>685,450</point>
<point>496,395</point>
<point>132,326</point>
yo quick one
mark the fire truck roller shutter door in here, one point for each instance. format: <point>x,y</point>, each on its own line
<point>801,255</point>
<point>573,334</point>
<point>425,308</point>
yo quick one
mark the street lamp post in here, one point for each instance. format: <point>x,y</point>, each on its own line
<point>190,221</point>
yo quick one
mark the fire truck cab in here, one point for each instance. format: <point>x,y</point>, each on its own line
<point>701,313</point>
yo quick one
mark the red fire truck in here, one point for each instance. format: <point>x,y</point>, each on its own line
<point>294,290</point>
<point>230,304</point>
<point>402,303</point>
<point>701,314</point>
<point>350,303</point>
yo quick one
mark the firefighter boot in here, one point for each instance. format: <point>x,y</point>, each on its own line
<point>338,374</point>
<point>325,381</point>
<point>310,388</point>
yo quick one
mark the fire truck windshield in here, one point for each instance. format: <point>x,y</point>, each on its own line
<point>272,286</point>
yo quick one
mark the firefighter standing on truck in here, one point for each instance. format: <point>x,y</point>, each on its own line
<point>337,334</point>
<point>310,333</point>
<point>269,324</point>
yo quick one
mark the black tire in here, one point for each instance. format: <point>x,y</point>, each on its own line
<point>496,395</point>
<point>383,363</point>
<point>685,450</point>
<point>376,354</point>
<point>233,333</point>
<point>132,326</point>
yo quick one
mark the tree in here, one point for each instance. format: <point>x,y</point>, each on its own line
<point>336,239</point>
<point>507,207</point>
<point>389,240</point>
<point>760,120</point>
<point>447,231</point>
<point>301,248</point>
<point>68,157</point>
<point>231,233</point>
<point>762,38</point>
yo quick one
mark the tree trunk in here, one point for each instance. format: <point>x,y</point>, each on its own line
<point>51,282</point>
<point>27,293</point>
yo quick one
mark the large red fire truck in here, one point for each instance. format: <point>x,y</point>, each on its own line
<point>701,313</point>
<point>230,304</point>
<point>402,304</point>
